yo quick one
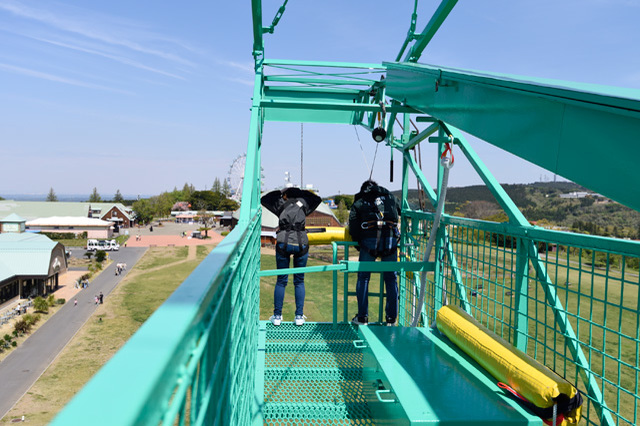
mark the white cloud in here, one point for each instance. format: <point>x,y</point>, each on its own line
<point>101,28</point>
<point>51,77</point>
<point>116,58</point>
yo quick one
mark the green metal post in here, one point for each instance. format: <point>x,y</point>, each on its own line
<point>430,30</point>
<point>438,277</point>
<point>251,183</point>
<point>334,246</point>
<point>521,287</point>
<point>404,232</point>
<point>345,280</point>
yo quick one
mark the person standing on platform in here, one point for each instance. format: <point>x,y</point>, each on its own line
<point>373,224</point>
<point>291,206</point>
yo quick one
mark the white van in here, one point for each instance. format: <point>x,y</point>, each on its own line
<point>93,245</point>
<point>107,245</point>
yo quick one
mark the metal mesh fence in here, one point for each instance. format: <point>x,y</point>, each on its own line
<point>570,301</point>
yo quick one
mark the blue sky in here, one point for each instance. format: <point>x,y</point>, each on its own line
<point>147,95</point>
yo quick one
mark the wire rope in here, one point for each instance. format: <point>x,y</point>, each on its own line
<point>364,157</point>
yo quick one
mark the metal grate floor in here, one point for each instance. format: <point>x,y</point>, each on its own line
<point>313,376</point>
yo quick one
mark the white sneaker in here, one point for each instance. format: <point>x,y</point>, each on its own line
<point>276,319</point>
<point>299,320</point>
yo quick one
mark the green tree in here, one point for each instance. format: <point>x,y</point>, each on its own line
<point>228,205</point>
<point>52,195</point>
<point>161,204</point>
<point>342,213</point>
<point>226,189</point>
<point>217,186</point>
<point>187,190</point>
<point>95,197</point>
<point>101,255</point>
<point>207,220</point>
<point>205,200</point>
<point>347,199</point>
<point>118,198</point>
<point>143,210</point>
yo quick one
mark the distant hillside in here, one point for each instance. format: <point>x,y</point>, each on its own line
<point>541,202</point>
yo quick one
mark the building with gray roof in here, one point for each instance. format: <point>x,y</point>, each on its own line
<point>30,265</point>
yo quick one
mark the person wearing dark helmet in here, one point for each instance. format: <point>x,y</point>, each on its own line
<point>291,206</point>
<point>373,224</point>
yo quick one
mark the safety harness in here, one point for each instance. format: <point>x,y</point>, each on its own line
<point>289,221</point>
<point>383,226</point>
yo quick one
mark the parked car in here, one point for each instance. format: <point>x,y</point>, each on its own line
<point>106,245</point>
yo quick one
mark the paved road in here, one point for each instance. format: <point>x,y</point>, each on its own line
<point>20,370</point>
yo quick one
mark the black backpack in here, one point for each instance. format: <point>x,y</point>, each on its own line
<point>380,213</point>
<point>293,219</point>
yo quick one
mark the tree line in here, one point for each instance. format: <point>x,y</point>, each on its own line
<point>216,198</point>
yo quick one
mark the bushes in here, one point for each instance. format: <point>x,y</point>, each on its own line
<point>40,305</point>
<point>51,300</point>
<point>64,235</point>
<point>101,255</point>
<point>21,326</point>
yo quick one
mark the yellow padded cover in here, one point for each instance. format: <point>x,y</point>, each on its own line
<point>331,234</point>
<point>505,362</point>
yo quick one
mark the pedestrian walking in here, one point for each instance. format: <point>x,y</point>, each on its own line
<point>75,302</point>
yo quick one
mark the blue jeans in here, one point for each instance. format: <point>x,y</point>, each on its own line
<point>282,261</point>
<point>390,282</point>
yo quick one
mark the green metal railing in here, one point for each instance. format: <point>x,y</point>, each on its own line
<point>194,360</point>
<point>570,301</point>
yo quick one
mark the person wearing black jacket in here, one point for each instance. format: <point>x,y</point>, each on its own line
<point>373,224</point>
<point>292,206</point>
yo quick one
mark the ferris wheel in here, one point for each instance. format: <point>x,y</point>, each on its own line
<point>235,177</point>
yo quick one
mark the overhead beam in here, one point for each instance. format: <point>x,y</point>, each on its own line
<point>322,81</point>
<point>288,62</point>
<point>585,133</point>
<point>337,106</point>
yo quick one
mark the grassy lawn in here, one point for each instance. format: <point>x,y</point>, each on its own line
<point>162,257</point>
<point>113,323</point>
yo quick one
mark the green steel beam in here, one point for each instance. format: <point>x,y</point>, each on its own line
<point>421,177</point>
<point>515,215</point>
<point>430,30</point>
<point>522,295</point>
<point>276,19</point>
<point>325,64</point>
<point>411,34</point>
<point>421,136</point>
<point>332,106</point>
<point>258,42</point>
<point>585,133</point>
<point>313,81</point>
<point>612,245</point>
<point>351,267</point>
<point>571,340</point>
<point>251,183</point>
<point>457,276</point>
